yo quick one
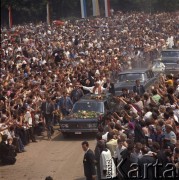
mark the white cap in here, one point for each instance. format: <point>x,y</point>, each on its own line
<point>82,61</point>
<point>24,62</point>
<point>97,72</point>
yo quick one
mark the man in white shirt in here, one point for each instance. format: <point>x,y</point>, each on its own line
<point>28,120</point>
<point>170,41</point>
<point>4,128</point>
<point>119,149</point>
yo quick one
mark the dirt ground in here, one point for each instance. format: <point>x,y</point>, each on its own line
<point>61,158</point>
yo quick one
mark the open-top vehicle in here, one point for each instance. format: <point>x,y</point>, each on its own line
<point>86,115</point>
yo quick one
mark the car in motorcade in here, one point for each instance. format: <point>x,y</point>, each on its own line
<point>170,58</point>
<point>86,115</point>
<point>127,78</point>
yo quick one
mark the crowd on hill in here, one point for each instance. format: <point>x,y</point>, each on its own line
<point>41,63</point>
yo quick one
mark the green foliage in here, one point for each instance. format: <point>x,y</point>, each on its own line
<point>35,10</point>
<point>167,5</point>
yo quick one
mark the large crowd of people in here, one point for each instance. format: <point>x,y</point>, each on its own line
<point>144,132</point>
<point>46,69</point>
<point>141,139</point>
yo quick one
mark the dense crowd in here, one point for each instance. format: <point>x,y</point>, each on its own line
<point>46,69</point>
<point>145,132</point>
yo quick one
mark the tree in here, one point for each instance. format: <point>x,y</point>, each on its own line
<point>24,11</point>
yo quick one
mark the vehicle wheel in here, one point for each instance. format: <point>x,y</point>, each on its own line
<point>66,135</point>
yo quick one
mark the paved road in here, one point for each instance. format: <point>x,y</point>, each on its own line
<point>60,158</point>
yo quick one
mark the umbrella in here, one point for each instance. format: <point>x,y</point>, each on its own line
<point>58,23</point>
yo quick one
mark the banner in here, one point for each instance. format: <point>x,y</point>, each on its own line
<point>83,9</point>
<point>95,7</point>
<point>107,8</point>
<point>10,16</point>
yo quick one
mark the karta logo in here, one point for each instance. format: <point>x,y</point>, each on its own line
<point>109,168</point>
<point>156,170</point>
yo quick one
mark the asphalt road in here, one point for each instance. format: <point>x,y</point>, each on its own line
<point>60,158</point>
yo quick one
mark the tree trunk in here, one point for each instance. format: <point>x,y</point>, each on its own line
<point>48,12</point>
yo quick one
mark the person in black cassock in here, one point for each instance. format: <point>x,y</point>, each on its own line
<point>7,151</point>
<point>57,58</point>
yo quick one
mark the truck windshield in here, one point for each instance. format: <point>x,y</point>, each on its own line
<point>130,77</point>
<point>170,54</point>
<point>88,106</point>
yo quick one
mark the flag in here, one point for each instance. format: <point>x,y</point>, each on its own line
<point>95,8</point>
<point>107,8</point>
<point>83,9</point>
<point>10,16</point>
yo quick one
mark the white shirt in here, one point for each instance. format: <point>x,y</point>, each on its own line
<point>6,131</point>
<point>140,105</point>
<point>177,91</point>
<point>118,152</point>
<point>175,117</point>
<point>28,118</point>
<point>86,150</point>
<point>105,136</point>
<point>96,91</point>
<point>107,163</point>
<point>170,42</point>
<point>148,115</point>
